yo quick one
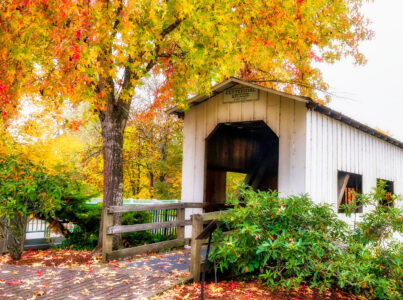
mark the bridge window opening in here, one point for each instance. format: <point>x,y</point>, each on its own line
<point>389,191</point>
<point>349,185</point>
<point>240,152</point>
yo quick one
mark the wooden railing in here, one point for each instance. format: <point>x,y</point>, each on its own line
<point>198,220</point>
<point>109,229</point>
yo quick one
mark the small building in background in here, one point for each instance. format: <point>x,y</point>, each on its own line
<point>284,142</point>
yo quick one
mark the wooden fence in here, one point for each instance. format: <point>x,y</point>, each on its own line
<point>109,229</point>
<point>38,235</point>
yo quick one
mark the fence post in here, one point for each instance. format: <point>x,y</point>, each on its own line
<point>180,230</point>
<point>195,257</point>
<point>107,239</point>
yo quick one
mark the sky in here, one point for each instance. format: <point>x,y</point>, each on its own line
<point>372,94</point>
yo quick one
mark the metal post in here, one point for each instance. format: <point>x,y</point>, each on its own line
<point>204,266</point>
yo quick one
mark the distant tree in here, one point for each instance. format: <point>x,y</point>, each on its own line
<point>153,151</point>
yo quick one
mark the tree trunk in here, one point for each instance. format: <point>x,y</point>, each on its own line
<point>151,176</point>
<point>113,125</point>
<point>16,234</point>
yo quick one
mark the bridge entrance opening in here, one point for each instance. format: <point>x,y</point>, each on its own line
<point>250,148</point>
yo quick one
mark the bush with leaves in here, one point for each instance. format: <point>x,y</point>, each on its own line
<point>292,241</point>
<point>376,227</point>
<point>28,190</point>
<point>85,219</point>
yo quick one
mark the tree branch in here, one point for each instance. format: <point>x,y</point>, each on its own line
<point>129,74</point>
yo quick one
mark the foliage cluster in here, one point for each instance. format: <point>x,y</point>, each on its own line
<point>89,47</point>
<point>84,220</point>
<point>292,241</point>
<point>28,190</point>
<point>152,146</point>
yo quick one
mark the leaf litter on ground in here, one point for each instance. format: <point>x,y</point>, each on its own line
<point>48,272</point>
<point>252,289</point>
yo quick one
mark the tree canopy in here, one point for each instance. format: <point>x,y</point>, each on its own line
<point>94,50</point>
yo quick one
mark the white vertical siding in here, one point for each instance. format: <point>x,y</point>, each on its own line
<point>287,119</point>
<point>298,143</point>
<point>333,145</point>
<point>188,162</point>
<point>292,147</point>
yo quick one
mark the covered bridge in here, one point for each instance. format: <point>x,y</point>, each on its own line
<point>283,142</point>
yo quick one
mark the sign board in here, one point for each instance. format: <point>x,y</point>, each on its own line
<point>241,93</point>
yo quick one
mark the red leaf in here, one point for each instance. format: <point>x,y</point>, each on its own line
<point>15,282</point>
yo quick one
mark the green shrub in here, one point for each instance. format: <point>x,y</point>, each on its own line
<point>28,190</point>
<point>85,218</point>
<point>293,241</point>
<point>376,228</point>
<point>77,239</point>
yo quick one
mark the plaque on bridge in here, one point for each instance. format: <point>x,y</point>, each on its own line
<point>241,93</point>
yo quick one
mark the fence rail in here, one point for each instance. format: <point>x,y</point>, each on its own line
<point>109,228</point>
<point>38,229</point>
<point>41,226</point>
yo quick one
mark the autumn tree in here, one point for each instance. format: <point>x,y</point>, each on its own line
<point>99,51</point>
<point>153,155</point>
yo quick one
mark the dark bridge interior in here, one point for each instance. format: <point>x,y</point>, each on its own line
<point>246,147</point>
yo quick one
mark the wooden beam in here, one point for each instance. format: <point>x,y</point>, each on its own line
<point>342,189</point>
<point>133,207</point>
<point>195,256</point>
<point>207,205</point>
<point>180,230</point>
<point>107,240</point>
<point>146,226</point>
<point>213,225</point>
<point>128,252</point>
<point>213,215</point>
